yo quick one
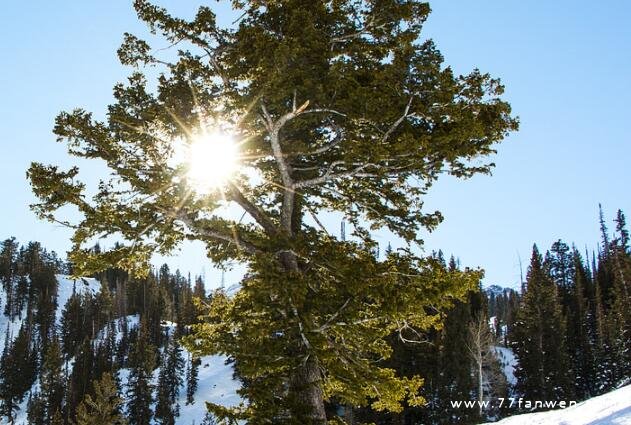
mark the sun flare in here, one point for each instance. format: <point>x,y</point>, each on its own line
<point>212,159</point>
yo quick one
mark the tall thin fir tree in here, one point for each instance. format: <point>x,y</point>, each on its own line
<point>192,378</point>
<point>52,380</point>
<point>139,389</point>
<point>538,338</point>
<point>581,341</point>
<point>620,314</point>
<point>169,383</point>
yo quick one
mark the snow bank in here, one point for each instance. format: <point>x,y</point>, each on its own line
<point>613,408</point>
<point>216,385</point>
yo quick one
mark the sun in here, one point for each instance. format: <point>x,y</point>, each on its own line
<point>213,158</point>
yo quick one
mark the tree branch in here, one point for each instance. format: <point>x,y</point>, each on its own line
<point>333,317</point>
<point>398,122</point>
<point>368,26</point>
<point>214,234</point>
<point>255,212</point>
<point>330,175</point>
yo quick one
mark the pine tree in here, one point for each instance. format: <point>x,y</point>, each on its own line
<point>57,418</point>
<point>209,419</point>
<point>52,380</point>
<point>169,383</point>
<point>105,407</point>
<point>8,376</point>
<point>82,375</point>
<point>192,372</point>
<point>297,81</point>
<point>44,285</point>
<point>538,338</point>
<point>139,388</point>
<point>604,353</point>
<point>581,342</point>
<point>620,313</point>
<point>456,380</point>
<point>36,410</point>
<point>18,370</point>
<point>8,270</point>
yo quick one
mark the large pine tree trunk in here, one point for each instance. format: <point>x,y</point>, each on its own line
<point>305,382</point>
<point>306,388</point>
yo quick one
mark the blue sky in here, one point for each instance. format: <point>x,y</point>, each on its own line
<point>566,66</point>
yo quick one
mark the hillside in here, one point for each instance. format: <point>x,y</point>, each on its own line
<point>215,384</point>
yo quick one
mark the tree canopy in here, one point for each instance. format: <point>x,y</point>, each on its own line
<point>336,106</point>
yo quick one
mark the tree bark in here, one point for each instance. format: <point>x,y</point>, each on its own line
<point>306,388</point>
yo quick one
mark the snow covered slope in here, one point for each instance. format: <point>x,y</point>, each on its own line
<point>64,292</point>
<point>215,385</point>
<point>508,362</point>
<point>67,286</point>
<point>215,379</point>
<point>613,408</point>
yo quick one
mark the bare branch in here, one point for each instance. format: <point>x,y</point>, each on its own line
<point>330,175</point>
<point>368,26</point>
<point>274,132</point>
<point>398,122</point>
<point>333,143</point>
<point>324,110</point>
<point>218,69</point>
<point>301,329</point>
<point>333,317</point>
<point>317,220</point>
<point>274,128</point>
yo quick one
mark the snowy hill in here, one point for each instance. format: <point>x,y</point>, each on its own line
<point>613,408</point>
<point>495,290</point>
<point>215,384</point>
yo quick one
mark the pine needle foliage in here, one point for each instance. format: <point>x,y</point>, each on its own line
<point>338,106</point>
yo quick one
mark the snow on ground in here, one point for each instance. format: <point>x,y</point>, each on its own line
<point>7,327</point>
<point>613,408</point>
<point>216,385</point>
<point>493,322</point>
<point>215,380</point>
<point>508,361</point>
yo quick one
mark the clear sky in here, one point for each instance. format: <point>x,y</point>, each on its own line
<point>567,70</point>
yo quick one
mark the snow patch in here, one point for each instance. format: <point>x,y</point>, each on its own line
<point>68,286</point>
<point>508,361</point>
